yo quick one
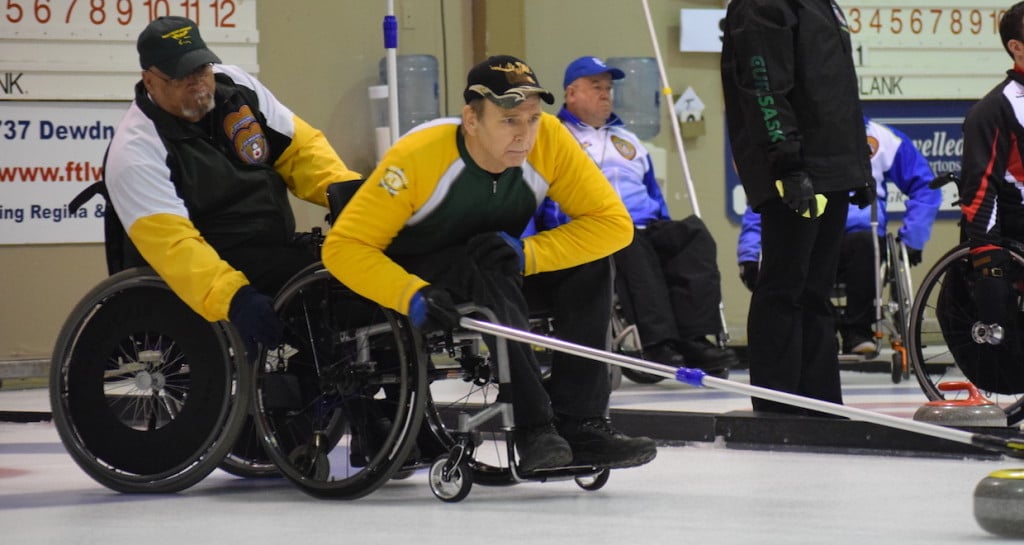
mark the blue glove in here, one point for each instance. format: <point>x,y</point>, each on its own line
<point>432,309</point>
<point>498,251</point>
<point>253,315</point>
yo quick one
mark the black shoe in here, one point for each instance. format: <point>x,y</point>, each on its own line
<point>715,361</point>
<point>664,353</point>
<point>858,343</point>
<point>596,443</point>
<point>540,447</point>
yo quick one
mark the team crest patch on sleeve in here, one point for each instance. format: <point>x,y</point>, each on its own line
<point>247,136</point>
<point>393,180</point>
<point>873,145</point>
<point>624,147</point>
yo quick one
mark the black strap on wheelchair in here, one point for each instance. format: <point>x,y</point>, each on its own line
<point>89,192</point>
<point>338,195</point>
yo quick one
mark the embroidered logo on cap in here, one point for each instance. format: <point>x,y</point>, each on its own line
<point>182,35</point>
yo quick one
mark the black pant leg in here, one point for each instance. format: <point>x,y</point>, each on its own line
<point>580,299</point>
<point>790,325</point>
<point>646,299</point>
<point>857,269</point>
<point>502,293</point>
<point>689,267</point>
<point>268,268</point>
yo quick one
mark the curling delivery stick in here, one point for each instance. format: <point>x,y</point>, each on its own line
<point>696,377</point>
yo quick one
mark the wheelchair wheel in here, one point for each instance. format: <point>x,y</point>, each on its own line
<point>464,383</point>
<point>626,340</point>
<point>146,395</point>
<point>901,296</point>
<point>337,402</point>
<point>455,486</point>
<point>247,458</point>
<point>940,345</point>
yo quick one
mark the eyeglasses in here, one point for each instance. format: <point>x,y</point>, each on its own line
<point>201,71</point>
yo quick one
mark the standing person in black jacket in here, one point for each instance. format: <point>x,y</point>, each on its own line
<point>798,139</point>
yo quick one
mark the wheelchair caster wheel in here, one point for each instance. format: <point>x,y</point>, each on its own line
<point>312,460</point>
<point>456,487</point>
<point>594,481</point>
<point>897,368</point>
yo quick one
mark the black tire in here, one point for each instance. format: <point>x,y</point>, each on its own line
<point>896,370</point>
<point>939,342</point>
<point>456,487</point>
<point>146,395</point>
<point>336,414</point>
<point>595,481</point>
<point>900,291</point>
<point>247,457</point>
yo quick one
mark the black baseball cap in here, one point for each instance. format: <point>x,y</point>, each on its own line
<point>505,80</point>
<point>173,45</point>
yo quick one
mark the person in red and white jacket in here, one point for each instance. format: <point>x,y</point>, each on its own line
<point>992,189</point>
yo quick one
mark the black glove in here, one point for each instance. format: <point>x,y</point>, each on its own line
<point>864,196</point>
<point>912,255</point>
<point>498,251</point>
<point>748,273</point>
<point>797,191</point>
<point>432,309</point>
<point>253,315</point>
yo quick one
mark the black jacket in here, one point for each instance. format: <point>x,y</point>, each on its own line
<point>993,174</point>
<point>791,96</point>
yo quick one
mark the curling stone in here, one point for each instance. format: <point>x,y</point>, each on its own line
<point>975,411</point>
<point>999,503</point>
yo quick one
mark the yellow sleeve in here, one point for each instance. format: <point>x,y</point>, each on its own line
<point>190,266</point>
<point>600,224</point>
<point>401,183</point>
<point>310,164</point>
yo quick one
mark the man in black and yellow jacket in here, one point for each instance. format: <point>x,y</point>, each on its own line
<point>438,221</point>
<point>199,172</point>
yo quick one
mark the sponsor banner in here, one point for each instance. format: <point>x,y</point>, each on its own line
<point>51,151</point>
<point>934,126</point>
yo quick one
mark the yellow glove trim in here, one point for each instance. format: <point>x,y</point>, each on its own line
<point>821,200</point>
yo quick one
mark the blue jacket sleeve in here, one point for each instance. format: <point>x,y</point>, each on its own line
<point>911,174</point>
<point>748,248</point>
<point>651,183</point>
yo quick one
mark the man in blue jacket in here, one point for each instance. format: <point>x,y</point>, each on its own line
<point>667,278</point>
<point>893,158</point>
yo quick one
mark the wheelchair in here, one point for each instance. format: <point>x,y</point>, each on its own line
<point>946,342</point>
<point>892,302</point>
<point>355,397</point>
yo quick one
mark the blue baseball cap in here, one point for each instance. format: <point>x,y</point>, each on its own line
<point>589,66</point>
